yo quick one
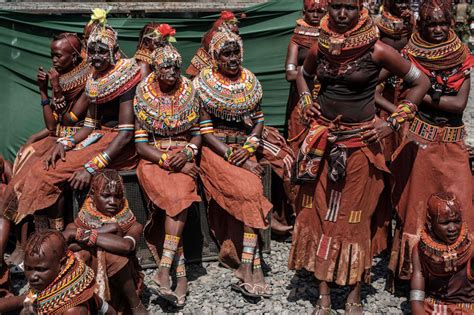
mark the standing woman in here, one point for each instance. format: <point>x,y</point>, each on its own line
<point>434,147</point>
<point>167,139</point>
<point>304,36</point>
<point>341,157</point>
<point>231,126</point>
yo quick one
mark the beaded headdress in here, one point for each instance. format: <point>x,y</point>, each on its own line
<point>163,33</point>
<point>441,7</point>
<point>222,38</point>
<point>166,56</point>
<point>315,3</point>
<point>443,205</point>
<point>102,33</point>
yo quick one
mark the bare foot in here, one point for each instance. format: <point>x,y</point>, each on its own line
<point>244,273</point>
<point>261,287</point>
<point>162,278</point>
<point>181,291</point>
<point>139,309</point>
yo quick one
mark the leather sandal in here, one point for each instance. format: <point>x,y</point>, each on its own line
<point>351,307</point>
<point>245,288</point>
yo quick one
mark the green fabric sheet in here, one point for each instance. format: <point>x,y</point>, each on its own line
<point>25,40</point>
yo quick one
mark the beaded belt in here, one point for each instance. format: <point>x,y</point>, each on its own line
<point>167,144</point>
<point>66,131</point>
<point>463,306</point>
<point>435,133</point>
<point>230,139</point>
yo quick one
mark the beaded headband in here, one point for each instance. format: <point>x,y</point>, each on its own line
<point>223,38</point>
<point>166,56</point>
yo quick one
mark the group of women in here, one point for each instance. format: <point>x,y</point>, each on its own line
<point>374,129</point>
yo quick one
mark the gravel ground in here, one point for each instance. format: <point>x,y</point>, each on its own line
<point>210,292</point>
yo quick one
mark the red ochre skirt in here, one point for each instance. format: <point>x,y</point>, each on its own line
<point>332,236</point>
<point>39,188</point>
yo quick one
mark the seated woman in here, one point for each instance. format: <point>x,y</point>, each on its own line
<point>168,141</point>
<point>152,36</point>
<point>231,125</point>
<point>63,116</point>
<point>105,138</point>
<point>59,283</point>
<point>443,264</point>
<point>202,59</point>
<point>105,234</point>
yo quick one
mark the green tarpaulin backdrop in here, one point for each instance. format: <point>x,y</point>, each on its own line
<point>25,39</point>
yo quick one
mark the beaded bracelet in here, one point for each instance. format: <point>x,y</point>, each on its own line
<point>206,127</point>
<point>258,118</point>
<point>189,154</point>
<point>162,161</point>
<point>251,144</point>
<point>193,147</point>
<point>82,235</point>
<point>405,112</point>
<point>101,161</point>
<point>91,123</point>
<point>228,153</point>
<point>45,102</point>
<point>141,135</point>
<point>68,142</point>
<point>92,238</point>
<point>195,130</point>
<point>304,101</point>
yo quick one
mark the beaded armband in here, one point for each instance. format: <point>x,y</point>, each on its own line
<point>126,127</point>
<point>417,295</point>
<point>304,101</point>
<point>191,151</point>
<point>73,116</point>
<point>101,161</point>
<point>91,123</point>
<point>45,102</point>
<point>405,112</point>
<point>195,130</point>
<point>141,135</point>
<point>258,118</point>
<point>55,116</point>
<point>82,235</point>
<point>251,145</point>
<point>67,142</point>
<point>206,127</point>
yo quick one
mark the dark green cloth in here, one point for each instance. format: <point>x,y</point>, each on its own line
<point>25,40</point>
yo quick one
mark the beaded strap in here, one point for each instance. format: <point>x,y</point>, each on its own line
<point>68,142</point>
<point>258,118</point>
<point>195,130</point>
<point>73,116</point>
<point>251,145</point>
<point>228,153</point>
<point>92,238</point>
<point>304,101</point>
<point>191,151</point>
<point>126,127</point>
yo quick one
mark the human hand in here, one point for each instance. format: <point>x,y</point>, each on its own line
<point>53,75</point>
<point>42,80</point>
<point>238,157</point>
<point>57,153</point>
<point>254,167</point>
<point>377,131</point>
<point>80,179</point>
<point>177,161</point>
<point>190,169</point>
<point>312,112</point>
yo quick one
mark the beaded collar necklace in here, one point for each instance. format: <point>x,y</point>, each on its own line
<point>73,286</point>
<point>91,218</point>
<point>226,99</point>
<point>441,259</point>
<point>392,26</point>
<point>305,29</point>
<point>352,44</point>
<point>436,57</point>
<point>120,79</point>
<point>143,54</point>
<point>166,114</point>
<point>77,77</point>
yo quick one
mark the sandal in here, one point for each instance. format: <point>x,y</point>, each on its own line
<point>350,307</point>
<point>319,310</point>
<point>180,301</point>
<point>242,287</point>
<point>159,290</point>
<point>265,290</point>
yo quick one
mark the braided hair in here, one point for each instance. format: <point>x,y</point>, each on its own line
<point>37,241</point>
<point>148,28</point>
<point>429,6</point>
<point>107,179</point>
<point>74,42</point>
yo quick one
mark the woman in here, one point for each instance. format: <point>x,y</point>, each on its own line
<point>304,36</point>
<point>167,139</point>
<point>434,147</point>
<point>152,36</point>
<point>341,158</point>
<point>231,124</point>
